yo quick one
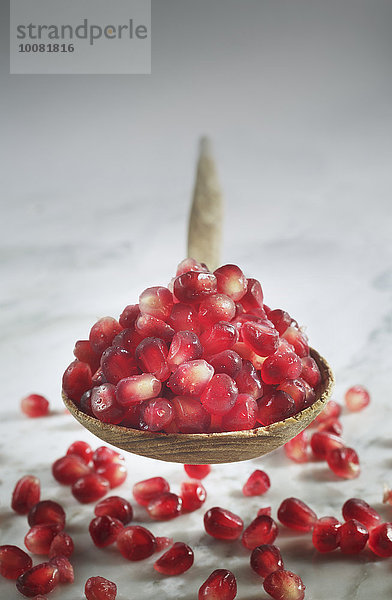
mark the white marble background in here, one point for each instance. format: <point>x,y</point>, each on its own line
<point>97,177</point>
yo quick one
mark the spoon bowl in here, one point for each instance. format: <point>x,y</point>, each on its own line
<point>210,448</point>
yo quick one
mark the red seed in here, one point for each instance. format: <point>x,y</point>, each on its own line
<point>223,524</point>
<point>220,395</point>
<point>104,404</point>
<point>66,572</point>
<point>136,543</point>
<point>191,378</point>
<point>13,561</point>
<point>220,585</point>
<point>81,449</point>
<point>129,316</point>
<point>116,507</point>
<point>148,326</point>
<point>34,406</point>
<point>280,366</point>
<point>128,339</point>
<point>355,508</point>
<point>40,579</point>
<point>266,559</point>
<point>275,406</point>
<point>190,416</point>
<point>248,381</point>
<point>132,417</point>
<point>281,319</point>
<point>185,346</point>
<point>194,286</point>
<point>90,488</point>
<point>322,442</point>
<point>331,411</point>
<point>219,337</point>
<point>103,332</point>
<point>242,416</point>
<point>262,530</point>
<point>284,585</point>
<point>266,510</point>
<point>135,389</point>
<point>297,449</point>
<point>261,338</point>
<point>68,469</point>
<point>39,538</point>
<point>344,462</point>
<point>356,398</point>
<point>257,484</point>
<point>218,307</point>
<point>254,295</point>
<point>156,414</point>
<point>178,559</point>
<point>193,495</point>
<point>331,426</point>
<point>99,588</point>
<point>47,512</point>
<point>298,340</point>
<point>310,371</point>
<point>164,506</point>
<point>231,281</point>
<point>103,456</point>
<point>146,490</point>
<point>297,515</point>
<point>85,403</point>
<point>380,540</point>
<point>84,352</point>
<point>352,537</point>
<point>197,471</point>
<point>325,536</point>
<point>184,318</point>
<point>104,530</point>
<point>26,493</point>
<point>151,356</point>
<point>190,264</point>
<point>228,362</point>
<point>115,473</point>
<point>117,363</point>
<point>162,543</point>
<point>157,302</point>
<point>77,379</point>
<point>62,545</point>
<point>297,390</point>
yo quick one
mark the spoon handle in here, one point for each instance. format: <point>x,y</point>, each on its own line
<point>205,221</point>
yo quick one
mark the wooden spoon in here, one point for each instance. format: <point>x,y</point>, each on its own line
<point>209,448</point>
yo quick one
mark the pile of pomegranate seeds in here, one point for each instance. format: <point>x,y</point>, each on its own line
<point>202,355</point>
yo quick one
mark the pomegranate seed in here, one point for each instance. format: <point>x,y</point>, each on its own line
<point>254,295</point>
<point>297,449</point>
<point>228,362</point>
<point>68,469</point>
<point>13,561</point>
<point>190,416</point>
<point>34,406</point>
<point>275,406</point>
<point>184,318</point>
<point>310,394</point>
<point>193,495</point>
<point>361,511</point>
<point>262,530</point>
<point>266,510</point>
<point>128,339</point>
<point>129,315</point>
<point>344,462</point>
<point>380,540</point>
<point>77,380</point>
<point>151,355</point>
<point>178,559</point>
<point>191,378</point>
<point>261,338</point>
<point>331,426</point>
<point>310,371</point>
<point>245,352</point>
<point>90,488</point>
<point>104,530</point>
<point>148,326</point>
<point>132,417</point>
<point>99,588</point>
<point>218,307</point>
<point>197,471</point>
<point>85,403</point>
<point>297,515</point>
<point>47,512</point>
<point>81,449</point>
<point>103,456</point>
<point>220,395</point>
<point>164,506</point>
<point>104,404</point>
<point>220,585</point>
<point>284,585</point>
<point>298,340</point>
<point>103,333</point>
<point>352,537</point>
<point>117,363</point>
<point>116,507</point>
<point>242,416</point>
<point>281,320</point>
<point>146,490</point>
<point>84,352</point>
<point>62,545</point>
<point>257,484</point>
<point>156,414</point>
<point>135,389</point>
<point>322,442</point>
<point>66,572</point>
<point>157,302</point>
<point>266,559</point>
<point>194,286</point>
<point>136,543</point>
<point>325,535</point>
<point>280,366</point>
<point>248,381</point>
<point>39,538</point>
<point>190,264</point>
<point>26,493</point>
<point>219,337</point>
<point>223,524</point>
<point>115,473</point>
<point>185,346</point>
<point>162,543</point>
<point>98,378</point>
<point>356,398</point>
<point>296,389</point>
<point>40,579</point>
<point>331,411</point>
<point>231,281</point>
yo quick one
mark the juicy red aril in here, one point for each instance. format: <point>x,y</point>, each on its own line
<point>84,352</point>
<point>190,416</point>
<point>66,572</point>
<point>218,307</point>
<point>220,394</point>
<point>231,281</point>
<point>228,362</point>
<point>157,302</point>
<point>191,378</point>
<point>296,515</point>
<point>40,579</point>
<point>275,406</point>
<point>99,588</point>
<point>266,559</point>
<point>284,585</point>
<point>68,469</point>
<point>81,449</point>
<point>355,508</point>
<point>266,510</point>
<point>115,507</point>
<point>280,366</point>
<point>185,346</point>
<point>333,426</point>
<point>223,524</point>
<point>39,538</point>
<point>26,493</point>
<point>254,295</point>
<point>97,379</point>
<point>248,381</point>
<point>297,449</point>
<point>352,537</point>
<point>103,332</point>
<point>257,484</point>
<point>128,339</point>
<point>197,471</point>
<point>156,414</point>
<point>178,559</point>
<point>298,340</point>
<point>90,488</point>
<point>184,318</point>
<point>129,316</point>
<point>136,543</point>
<point>190,264</point>
<point>13,561</point>
<point>219,337</point>
<point>47,512</point>
<point>151,355</point>
<point>331,411</point>
<point>242,416</point>
<point>135,389</point>
<point>62,545</point>
<point>165,506</point>
<point>34,406</point>
<point>117,363</point>
<point>104,404</point>
<point>296,389</point>
<point>262,530</point>
<point>344,462</point>
<point>310,371</point>
<point>263,340</point>
<point>148,326</point>
<point>85,403</point>
<point>103,456</point>
<point>220,585</point>
<point>380,540</point>
<point>162,543</point>
<point>322,442</point>
<point>325,536</point>
<point>131,417</point>
<point>194,286</point>
<point>77,380</point>
<point>115,473</point>
<point>193,495</point>
<point>356,398</point>
<point>104,530</point>
<point>146,490</point>
<point>281,319</point>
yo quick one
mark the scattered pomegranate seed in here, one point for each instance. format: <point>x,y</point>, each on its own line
<point>220,585</point>
<point>102,334</point>
<point>193,495</point>
<point>161,543</point>
<point>90,488</point>
<point>62,545</point>
<point>39,538</point>
<point>352,537</point>
<point>99,588</point>
<point>40,579</point>
<point>355,508</point>
<point>34,406</point>
<point>26,493</point>
<point>262,530</point>
<point>136,543</point>
<point>266,559</point>
<point>257,484</point>
<point>325,535</point>
<point>117,363</point>
<point>219,337</point>
<point>129,316</point>
<point>266,510</point>
<point>156,414</point>
<point>331,411</point>
<point>223,524</point>
<point>190,416</point>
<point>66,572</point>
<point>47,512</point>
<point>297,449</point>
<point>104,530</point>
<point>104,404</point>
<point>242,416</point>
<point>104,455</point>
<point>284,585</point>
<point>77,379</point>
<point>178,559</point>
<point>148,489</point>
<point>380,540</point>
<point>115,473</point>
<point>333,426</point>
<point>81,449</point>
<point>275,406</point>
<point>116,507</point>
<point>297,515</point>
<point>164,506</point>
<point>194,286</point>
<point>344,462</point>
<point>322,442</point>
<point>191,378</point>
<point>13,561</point>
<point>220,395</point>
<point>197,471</point>
<point>356,398</point>
<point>68,469</point>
